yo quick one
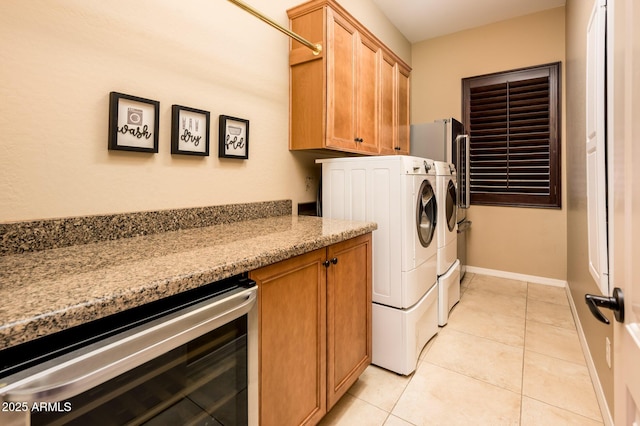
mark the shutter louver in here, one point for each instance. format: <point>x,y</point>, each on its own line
<point>513,138</point>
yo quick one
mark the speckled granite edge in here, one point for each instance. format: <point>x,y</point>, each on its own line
<point>23,237</point>
<point>54,289</point>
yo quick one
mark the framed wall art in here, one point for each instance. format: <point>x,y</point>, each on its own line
<point>133,123</point>
<point>233,140</point>
<point>189,131</point>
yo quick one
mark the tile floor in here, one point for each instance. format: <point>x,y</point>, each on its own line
<point>510,355</point>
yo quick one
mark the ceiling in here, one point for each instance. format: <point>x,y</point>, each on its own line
<point>419,20</point>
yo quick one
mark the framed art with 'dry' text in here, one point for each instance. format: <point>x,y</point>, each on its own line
<point>233,140</point>
<point>189,131</point>
<point>133,123</point>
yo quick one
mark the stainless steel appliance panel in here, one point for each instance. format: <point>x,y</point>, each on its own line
<point>187,359</point>
<point>429,140</point>
<point>463,228</point>
<point>445,140</point>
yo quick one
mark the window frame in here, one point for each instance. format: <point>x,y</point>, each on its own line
<point>552,199</point>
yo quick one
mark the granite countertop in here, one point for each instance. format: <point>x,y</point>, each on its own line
<point>50,290</point>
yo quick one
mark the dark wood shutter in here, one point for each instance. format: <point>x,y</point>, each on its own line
<point>513,122</point>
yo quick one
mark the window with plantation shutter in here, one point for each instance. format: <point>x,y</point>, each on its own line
<point>514,125</point>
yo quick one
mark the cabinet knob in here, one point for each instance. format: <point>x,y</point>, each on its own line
<point>334,260</point>
<point>360,140</point>
<point>397,148</point>
<point>326,263</point>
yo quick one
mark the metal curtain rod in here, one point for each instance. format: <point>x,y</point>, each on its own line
<point>316,48</point>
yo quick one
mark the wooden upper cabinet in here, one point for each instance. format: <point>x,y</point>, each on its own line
<point>346,98</point>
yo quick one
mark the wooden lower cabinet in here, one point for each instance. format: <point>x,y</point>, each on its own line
<point>314,330</point>
<point>292,340</point>
<point>349,290</point>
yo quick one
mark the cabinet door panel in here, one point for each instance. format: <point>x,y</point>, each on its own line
<point>403,110</point>
<point>348,315</point>
<point>387,137</point>
<point>292,333</point>
<point>367,94</point>
<point>341,84</point>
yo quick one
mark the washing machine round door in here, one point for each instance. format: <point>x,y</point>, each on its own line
<point>427,211</point>
<point>451,205</point>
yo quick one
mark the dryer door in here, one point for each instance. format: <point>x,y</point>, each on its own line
<point>427,213</point>
<point>451,205</point>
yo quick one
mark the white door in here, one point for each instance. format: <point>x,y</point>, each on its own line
<point>596,148</point>
<point>624,43</point>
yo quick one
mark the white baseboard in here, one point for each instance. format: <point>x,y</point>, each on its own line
<point>597,387</point>
<point>520,277</point>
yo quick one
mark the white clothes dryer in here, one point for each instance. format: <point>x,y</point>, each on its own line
<point>399,193</point>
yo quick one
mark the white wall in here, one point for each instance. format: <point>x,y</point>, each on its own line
<point>59,59</point>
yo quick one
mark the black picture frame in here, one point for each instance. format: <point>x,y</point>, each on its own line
<point>189,131</point>
<point>233,141</point>
<point>133,123</point>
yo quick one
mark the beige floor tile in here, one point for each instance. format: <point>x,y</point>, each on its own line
<point>464,283</point>
<point>379,387</point>
<point>554,341</point>
<point>480,358</point>
<point>437,396</point>
<point>559,383</point>
<point>479,299</point>
<point>547,293</point>
<point>396,421</point>
<point>536,413</point>
<point>471,371</point>
<point>550,313</point>
<point>492,325</point>
<point>427,348</point>
<point>502,286</point>
<point>351,411</point>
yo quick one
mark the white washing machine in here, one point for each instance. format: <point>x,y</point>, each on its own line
<point>447,227</point>
<point>399,194</point>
